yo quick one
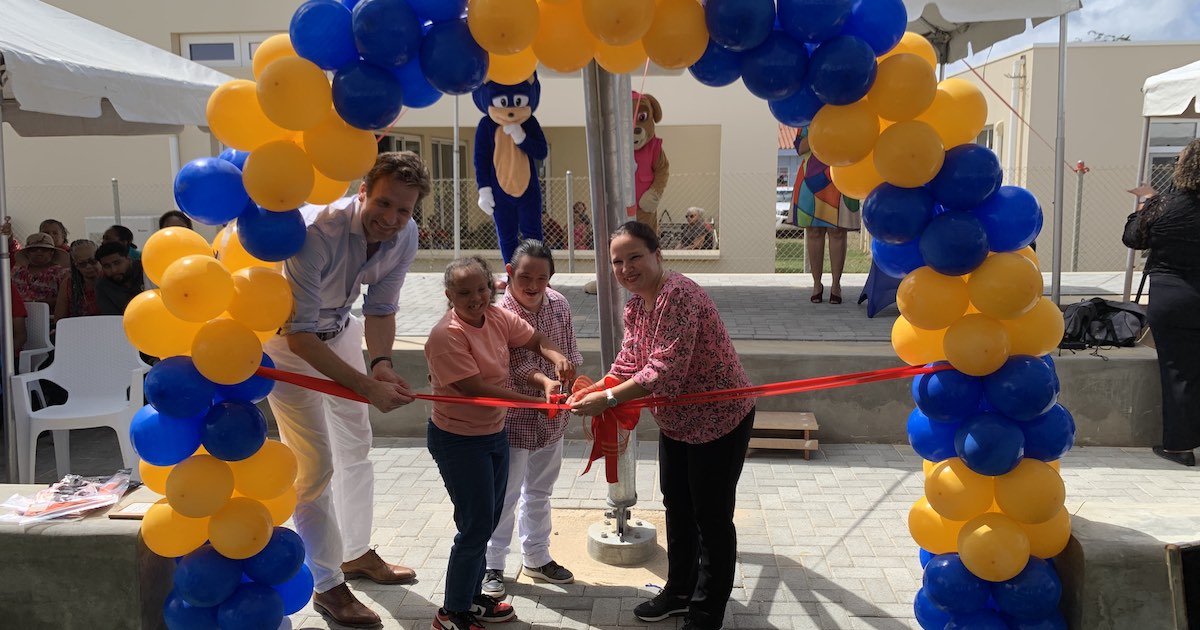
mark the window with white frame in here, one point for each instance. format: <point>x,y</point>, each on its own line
<point>987,137</point>
<point>221,50</point>
<point>400,142</point>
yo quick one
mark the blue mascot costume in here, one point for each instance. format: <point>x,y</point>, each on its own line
<point>507,141</point>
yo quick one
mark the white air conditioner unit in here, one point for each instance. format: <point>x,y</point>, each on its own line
<point>141,226</point>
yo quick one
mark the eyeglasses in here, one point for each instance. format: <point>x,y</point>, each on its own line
<point>90,262</point>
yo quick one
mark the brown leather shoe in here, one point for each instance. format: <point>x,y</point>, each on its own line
<point>371,566</point>
<point>340,605</point>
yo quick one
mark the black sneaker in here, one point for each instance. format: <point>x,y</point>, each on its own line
<point>444,620</point>
<point>493,583</point>
<point>551,572</point>
<point>662,606</point>
<point>491,610</point>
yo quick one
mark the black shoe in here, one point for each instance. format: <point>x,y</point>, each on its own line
<point>662,606</point>
<point>692,625</point>
<point>1186,458</point>
<point>491,610</point>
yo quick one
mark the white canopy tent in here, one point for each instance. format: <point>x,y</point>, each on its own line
<point>1171,94</point>
<point>62,75</point>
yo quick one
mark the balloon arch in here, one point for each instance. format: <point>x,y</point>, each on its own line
<point>971,295</point>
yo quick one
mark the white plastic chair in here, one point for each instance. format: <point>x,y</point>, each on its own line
<point>37,337</point>
<point>96,365</point>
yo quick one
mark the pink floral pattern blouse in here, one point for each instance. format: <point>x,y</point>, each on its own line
<point>38,285</point>
<point>681,346</point>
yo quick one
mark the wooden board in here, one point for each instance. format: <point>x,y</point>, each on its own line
<point>784,443</point>
<point>785,421</point>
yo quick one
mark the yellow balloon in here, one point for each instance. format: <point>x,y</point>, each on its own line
<point>843,135</point>
<point>266,474</point>
<point>621,59</point>
<point>1037,332</point>
<point>274,47</point>
<point>930,300</point>
<point>278,175</point>
<point>326,190</point>
<point>958,112</point>
<point>339,151</point>
<point>262,298</point>
<point>280,507</point>
<point>1048,539</point>
<point>512,69</point>
<point>240,529</point>
<point>1028,252</point>
<point>226,352</point>
<point>228,249</point>
<point>904,87</point>
<point>196,288</point>
<point>932,531</point>
<point>1056,464</point>
<point>237,120</point>
<point>153,329</point>
<point>618,22</point>
<point>957,492</point>
<point>199,486</point>
<point>914,44</point>
<point>169,533</point>
<point>563,41</point>
<point>503,27</point>
<point>916,346</point>
<point>993,547</point>
<point>908,154</point>
<point>168,245</point>
<point>1005,286</point>
<point>858,179</point>
<point>154,477</point>
<point>1033,492</point>
<point>678,35</point>
<point>976,345</point>
<point>294,93</point>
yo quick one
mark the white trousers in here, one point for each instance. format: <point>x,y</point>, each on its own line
<point>531,477</point>
<point>331,437</point>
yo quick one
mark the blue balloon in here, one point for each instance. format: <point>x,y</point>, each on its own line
<point>1012,217</point>
<point>931,440</point>
<point>350,4</point>
<point>164,440</point>
<point>717,67</point>
<point>989,444</point>
<point>279,561</point>
<point>798,109</point>
<point>896,261</point>
<point>813,21</point>
<point>1049,436</point>
<point>254,389</point>
<point>321,32</point>
<point>206,578</point>
<point>950,585</point>
<point>367,96</point>
<point>739,24</point>
<point>252,606</point>
<point>880,23</point>
<point>175,387</point>
<point>1054,621</point>
<point>948,395</point>
<point>1054,370</point>
<point>929,616</point>
<point>924,557</point>
<point>1022,389</point>
<point>451,60</point>
<point>954,243</point>
<point>1032,595</point>
<point>237,158</point>
<point>970,174</point>
<point>386,32</point>
<point>181,615</point>
<point>417,90</point>
<point>439,10</point>
<point>978,620</point>
<point>842,70</point>
<point>210,190</point>
<point>271,236</point>
<point>897,215</point>
<point>775,68</point>
<point>234,430</point>
<point>297,591</point>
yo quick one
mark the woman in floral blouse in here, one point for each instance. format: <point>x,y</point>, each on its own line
<point>675,343</point>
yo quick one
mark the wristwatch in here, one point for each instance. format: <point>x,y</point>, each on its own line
<point>612,400</point>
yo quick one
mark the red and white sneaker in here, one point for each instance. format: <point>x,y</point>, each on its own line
<point>444,620</point>
<point>491,610</point>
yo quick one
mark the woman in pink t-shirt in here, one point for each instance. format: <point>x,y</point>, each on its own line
<point>468,355</point>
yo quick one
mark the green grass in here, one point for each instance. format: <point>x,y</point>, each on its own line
<point>789,256</point>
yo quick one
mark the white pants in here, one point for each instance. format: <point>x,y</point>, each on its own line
<point>531,477</point>
<point>331,437</point>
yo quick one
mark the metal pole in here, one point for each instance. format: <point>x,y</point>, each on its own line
<point>10,419</point>
<point>609,117</point>
<point>173,148</point>
<point>457,188</point>
<point>1131,255</point>
<point>1081,169</point>
<point>570,224</point>
<point>116,201</point>
<point>1060,154</point>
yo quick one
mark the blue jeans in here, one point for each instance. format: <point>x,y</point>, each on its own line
<point>475,471</point>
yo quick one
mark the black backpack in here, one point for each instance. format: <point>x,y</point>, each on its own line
<point>1098,323</point>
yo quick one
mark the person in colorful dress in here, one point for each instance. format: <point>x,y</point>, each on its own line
<point>77,293</point>
<point>38,279</point>
<point>822,210</point>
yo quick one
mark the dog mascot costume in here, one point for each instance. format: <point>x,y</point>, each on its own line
<point>507,142</point>
<point>653,169</point>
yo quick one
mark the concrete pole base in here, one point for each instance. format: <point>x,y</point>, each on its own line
<point>641,541</point>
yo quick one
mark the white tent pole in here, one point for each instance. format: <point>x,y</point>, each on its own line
<point>10,420</point>
<point>1060,156</point>
<point>1130,256</point>
<point>457,188</point>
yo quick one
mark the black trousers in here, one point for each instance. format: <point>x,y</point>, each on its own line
<point>1174,303</point>
<point>699,486</point>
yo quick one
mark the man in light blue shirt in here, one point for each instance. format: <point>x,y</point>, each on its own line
<point>369,239</point>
